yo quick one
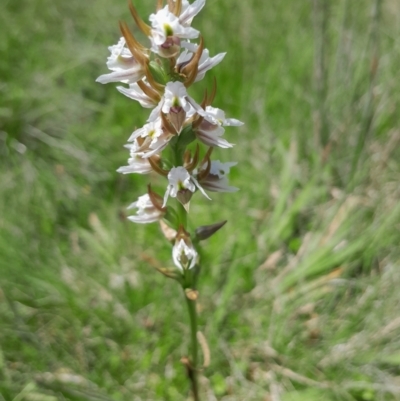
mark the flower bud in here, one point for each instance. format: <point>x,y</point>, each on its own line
<point>158,72</point>
<point>183,253</point>
<point>204,232</point>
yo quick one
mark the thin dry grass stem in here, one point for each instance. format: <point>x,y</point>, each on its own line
<point>321,284</point>
<point>340,217</point>
<point>275,391</point>
<point>205,349</point>
<point>272,260</point>
<point>297,377</point>
<point>387,330</point>
<point>151,260</point>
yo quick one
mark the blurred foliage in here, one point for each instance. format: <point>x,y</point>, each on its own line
<point>299,292</point>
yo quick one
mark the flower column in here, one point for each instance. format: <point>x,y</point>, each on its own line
<point>158,77</point>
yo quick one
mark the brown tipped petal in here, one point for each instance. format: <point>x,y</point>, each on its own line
<point>157,168</point>
<point>170,273</point>
<point>138,51</point>
<point>191,68</point>
<point>196,156</point>
<point>155,199</point>
<point>204,102</point>
<point>191,166</point>
<point>139,22</point>
<point>197,122</point>
<point>186,158</point>
<point>178,8</point>
<point>171,5</point>
<point>206,157</point>
<point>151,93</point>
<point>204,173</point>
<point>177,119</point>
<point>213,93</point>
<point>159,5</point>
<point>175,7</point>
<point>167,126</point>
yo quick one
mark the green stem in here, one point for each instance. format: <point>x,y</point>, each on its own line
<point>194,347</point>
<point>182,215</point>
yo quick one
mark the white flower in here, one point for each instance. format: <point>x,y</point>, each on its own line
<point>210,129</point>
<point>124,66</point>
<point>180,181</point>
<point>210,134</point>
<point>177,104</point>
<point>217,116</point>
<point>176,98</point>
<point>146,211</point>
<point>136,163</point>
<point>156,146</point>
<point>205,62</point>
<point>216,180</point>
<point>166,25</point>
<point>153,137</point>
<point>221,169</point>
<point>134,92</point>
<point>150,130</point>
<point>184,256</point>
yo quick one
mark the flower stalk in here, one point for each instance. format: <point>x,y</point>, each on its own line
<point>194,347</point>
<point>158,76</point>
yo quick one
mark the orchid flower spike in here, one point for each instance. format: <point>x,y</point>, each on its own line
<point>171,139</point>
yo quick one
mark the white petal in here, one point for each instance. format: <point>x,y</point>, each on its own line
<point>145,219</point>
<point>211,139</point>
<point>197,107</point>
<point>232,122</point>
<point>219,186</point>
<point>126,76</point>
<point>165,23</point>
<point>221,169</point>
<point>136,164</point>
<point>181,249</point>
<point>135,93</point>
<point>136,169</point>
<point>191,11</point>
<point>157,147</point>
<point>167,195</point>
<point>207,65</point>
<point>200,188</point>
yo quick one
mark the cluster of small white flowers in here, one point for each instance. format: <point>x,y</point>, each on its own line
<point>158,77</point>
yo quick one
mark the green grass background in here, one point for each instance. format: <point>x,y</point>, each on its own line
<point>299,295</point>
